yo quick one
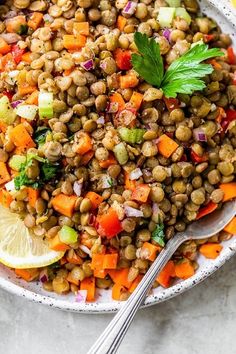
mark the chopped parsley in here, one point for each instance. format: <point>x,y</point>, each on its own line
<point>158,234</point>
<point>40,135</point>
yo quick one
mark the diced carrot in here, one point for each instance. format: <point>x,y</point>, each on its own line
<point>166,146</point>
<point>129,184</point>
<point>136,100</point>
<point>33,98</point>
<point>129,80</point>
<point>56,245</point>
<point>5,198</point>
<point>4,46</point>
<point>7,62</point>
<point>121,22</point>
<point>231,227</point>
<point>27,274</point>
<point>95,199</point>
<point>221,114</point>
<point>116,291</point>
<point>33,195</point>
<point>86,158</point>
<point>73,258</point>
<point>120,276</point>
<point>135,283</point>
<point>150,251</point>
<point>215,64</point>
<point>110,261</point>
<point>209,208</point>
<point>171,103</point>
<point>85,144</point>
<point>123,59</point>
<point>68,71</point>
<point>141,193</point>
<point>64,204</point>
<point>20,137</point>
<point>71,42</point>
<point>3,127</point>
<point>26,89</point>
<point>100,273</point>
<point>4,174</point>
<point>184,269</point>
<point>210,250</point>
<point>229,190</point>
<point>89,285</point>
<point>97,261</point>
<point>166,274</point>
<point>108,162</point>
<point>72,280</point>
<point>35,20</point>
<point>81,28</point>
<point>14,24</point>
<point>117,98</point>
<point>27,57</point>
<point>109,224</point>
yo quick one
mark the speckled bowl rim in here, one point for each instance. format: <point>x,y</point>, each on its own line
<point>166,294</point>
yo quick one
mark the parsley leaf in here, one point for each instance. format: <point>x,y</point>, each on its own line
<point>149,64</point>
<point>158,234</point>
<point>183,75</point>
<point>49,171</point>
<point>40,135</point>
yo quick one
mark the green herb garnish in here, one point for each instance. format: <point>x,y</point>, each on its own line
<point>40,135</point>
<point>158,234</point>
<point>23,29</point>
<point>47,172</point>
<point>183,75</point>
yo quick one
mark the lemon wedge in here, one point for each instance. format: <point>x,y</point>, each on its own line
<point>19,248</point>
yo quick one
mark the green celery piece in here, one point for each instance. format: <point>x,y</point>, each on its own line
<point>174,3</point>
<point>182,13</point>
<point>68,235</point>
<point>166,16</point>
<point>45,105</point>
<point>131,136</point>
<point>7,113</point>
<point>16,161</point>
<point>121,153</point>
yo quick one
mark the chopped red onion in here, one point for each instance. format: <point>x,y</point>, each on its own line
<point>10,14</point>
<point>16,103</point>
<point>106,182</point>
<point>10,37</point>
<point>130,8</point>
<point>87,65</point>
<point>77,188</point>
<point>81,296</point>
<point>43,275</point>
<point>86,250</point>
<point>101,120</point>
<point>199,135</point>
<point>166,33</point>
<point>48,18</point>
<point>112,107</point>
<point>10,186</point>
<point>129,211</point>
<point>135,174</point>
<point>155,208</point>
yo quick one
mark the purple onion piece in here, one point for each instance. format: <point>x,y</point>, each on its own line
<point>135,174</point>
<point>166,33</point>
<point>77,188</point>
<point>199,135</point>
<point>16,103</point>
<point>43,276</point>
<point>132,212</point>
<point>101,120</point>
<point>130,8</point>
<point>112,107</point>
<point>81,296</point>
<point>87,65</point>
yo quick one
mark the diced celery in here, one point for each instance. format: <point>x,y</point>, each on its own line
<point>166,16</point>
<point>68,235</point>
<point>16,161</point>
<point>7,114</point>
<point>182,13</point>
<point>121,153</point>
<point>131,136</point>
<point>27,111</point>
<point>45,105</point>
<point>196,43</point>
<point>174,3</point>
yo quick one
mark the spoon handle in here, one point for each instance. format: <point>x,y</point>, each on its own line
<point>110,339</point>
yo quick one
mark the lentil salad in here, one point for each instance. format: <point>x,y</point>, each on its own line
<point>108,168</point>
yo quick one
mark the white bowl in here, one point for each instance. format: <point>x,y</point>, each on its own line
<point>226,18</point>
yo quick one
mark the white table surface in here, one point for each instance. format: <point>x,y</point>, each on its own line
<point>201,321</point>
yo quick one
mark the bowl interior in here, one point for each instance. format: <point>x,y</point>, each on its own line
<point>33,291</point>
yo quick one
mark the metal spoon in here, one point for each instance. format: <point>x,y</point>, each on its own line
<point>110,339</point>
